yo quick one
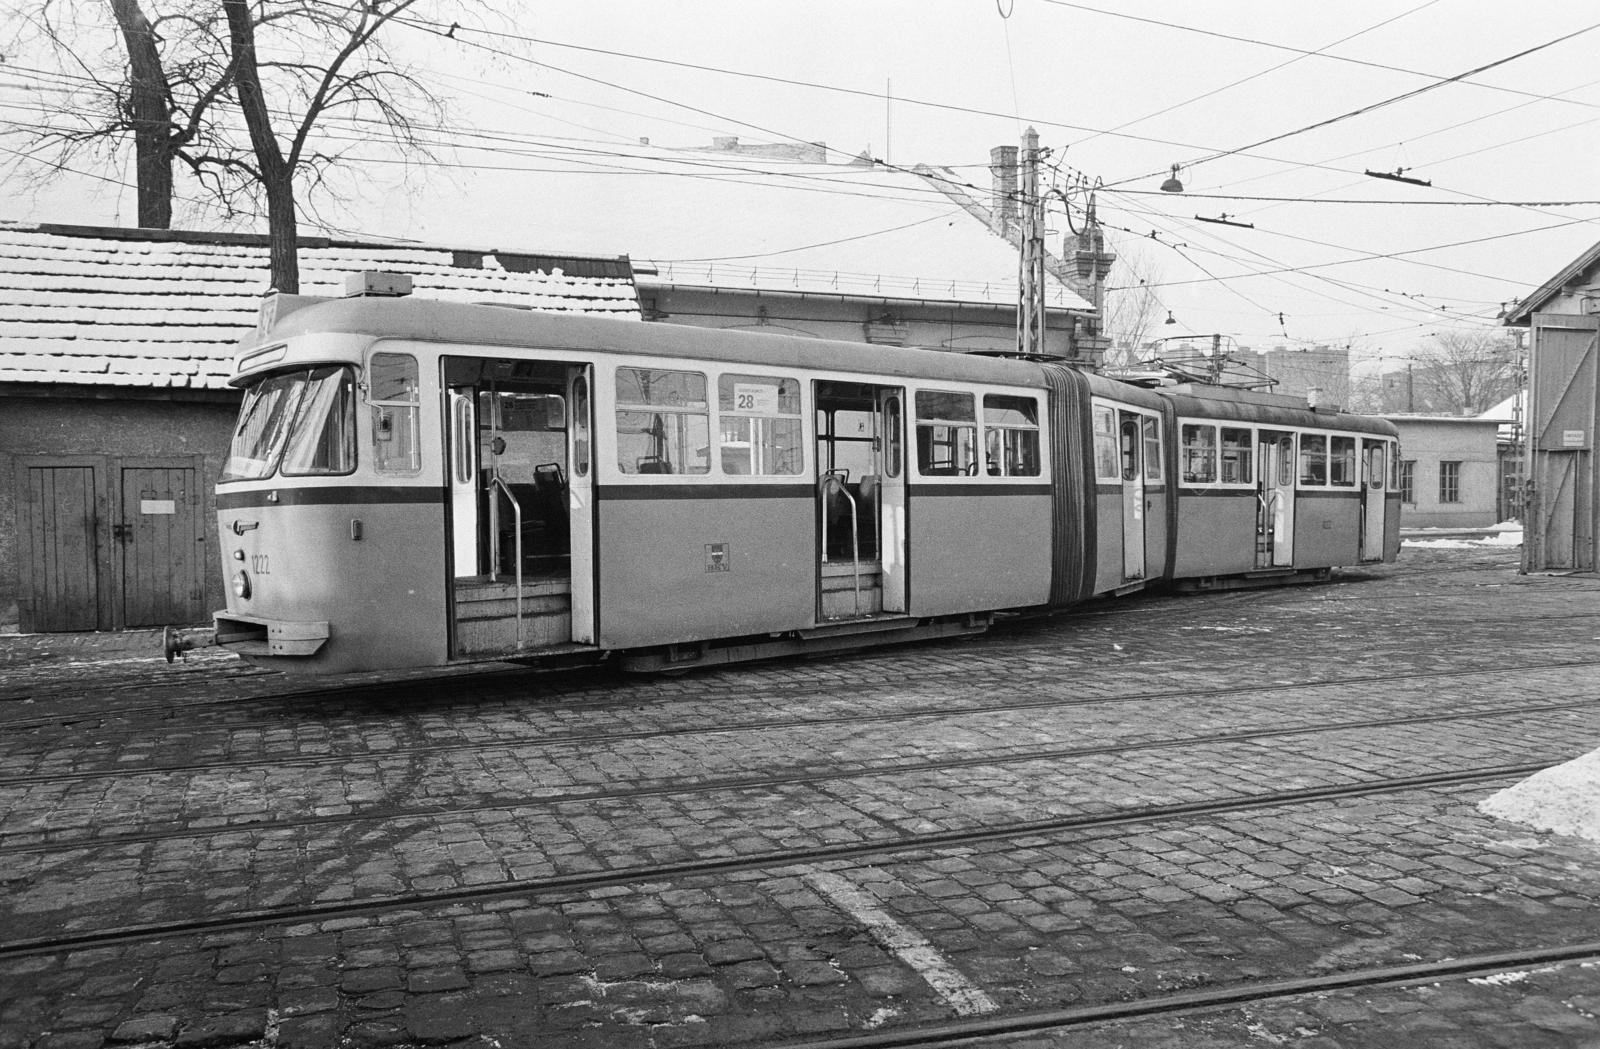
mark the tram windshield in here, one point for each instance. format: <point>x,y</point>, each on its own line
<point>310,411</point>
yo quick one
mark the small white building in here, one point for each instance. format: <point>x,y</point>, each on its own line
<point>1449,471</point>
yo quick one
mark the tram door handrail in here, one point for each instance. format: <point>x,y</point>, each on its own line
<point>830,483</point>
<point>496,481</point>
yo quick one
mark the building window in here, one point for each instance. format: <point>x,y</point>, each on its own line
<point>1449,482</point>
<point>1408,481</point>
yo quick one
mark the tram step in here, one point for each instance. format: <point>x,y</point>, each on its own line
<point>483,636</point>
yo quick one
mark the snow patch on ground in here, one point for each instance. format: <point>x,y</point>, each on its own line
<point>1564,799</point>
<point>1500,535</point>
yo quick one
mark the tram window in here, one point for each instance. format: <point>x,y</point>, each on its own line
<point>1199,454</point>
<point>1106,467</point>
<point>1313,459</point>
<point>580,426</point>
<point>947,434</point>
<point>263,424</point>
<point>393,396</point>
<point>1237,446</point>
<point>322,436</point>
<point>1342,461</point>
<point>892,438</point>
<point>1011,435</point>
<point>663,422</point>
<point>759,421</point>
<point>1394,466</point>
<point>1152,449</point>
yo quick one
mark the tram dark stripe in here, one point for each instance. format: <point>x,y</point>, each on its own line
<point>978,491</point>
<point>330,496</point>
<point>692,490</point>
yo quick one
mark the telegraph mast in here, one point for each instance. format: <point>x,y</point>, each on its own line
<point>1030,277</point>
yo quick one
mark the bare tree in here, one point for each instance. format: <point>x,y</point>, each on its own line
<point>157,81</point>
<point>337,66</point>
<point>1131,309</point>
<point>256,98</point>
<point>1464,372</point>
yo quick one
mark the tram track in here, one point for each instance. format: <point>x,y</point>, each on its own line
<point>904,842</point>
<point>1209,999</point>
<point>900,714</point>
<point>712,784</point>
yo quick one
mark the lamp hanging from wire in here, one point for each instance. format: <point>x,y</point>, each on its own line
<point>1170,318</point>
<point>1172,185</point>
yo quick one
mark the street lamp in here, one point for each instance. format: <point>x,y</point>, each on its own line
<point>1172,185</point>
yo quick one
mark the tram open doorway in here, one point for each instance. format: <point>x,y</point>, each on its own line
<point>861,501</point>
<point>1275,496</point>
<point>521,505</point>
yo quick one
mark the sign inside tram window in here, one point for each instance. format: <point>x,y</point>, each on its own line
<point>1574,438</point>
<point>158,506</point>
<point>756,398</point>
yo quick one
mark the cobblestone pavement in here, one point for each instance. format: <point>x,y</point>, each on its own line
<point>1016,837</point>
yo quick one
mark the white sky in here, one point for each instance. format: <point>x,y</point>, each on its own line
<point>1117,99</point>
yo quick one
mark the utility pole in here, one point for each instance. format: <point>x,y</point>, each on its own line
<point>1030,277</point>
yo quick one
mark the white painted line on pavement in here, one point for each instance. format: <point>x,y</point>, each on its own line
<point>934,968</point>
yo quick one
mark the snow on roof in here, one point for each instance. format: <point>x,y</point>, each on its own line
<point>735,220</point>
<point>139,308</point>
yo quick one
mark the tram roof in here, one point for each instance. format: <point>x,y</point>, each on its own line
<point>490,326</point>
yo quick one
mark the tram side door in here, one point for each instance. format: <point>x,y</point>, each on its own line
<point>1374,474</point>
<point>1275,528</point>
<point>892,498</point>
<point>580,502</point>
<point>1131,437</point>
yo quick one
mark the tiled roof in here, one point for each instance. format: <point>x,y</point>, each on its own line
<point>137,308</point>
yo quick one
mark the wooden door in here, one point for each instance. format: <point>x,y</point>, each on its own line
<point>162,539</point>
<point>58,513</point>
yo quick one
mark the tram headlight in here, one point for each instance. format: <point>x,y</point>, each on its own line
<point>241,584</point>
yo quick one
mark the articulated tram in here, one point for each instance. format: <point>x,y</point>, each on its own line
<point>417,483</point>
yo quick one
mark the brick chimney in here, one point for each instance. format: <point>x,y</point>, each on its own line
<point>1003,168</point>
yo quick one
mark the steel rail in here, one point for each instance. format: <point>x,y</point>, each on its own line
<point>578,739</point>
<point>906,842</point>
<point>1395,976</point>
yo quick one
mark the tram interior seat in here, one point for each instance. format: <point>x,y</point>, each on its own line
<point>546,526</point>
<point>654,464</point>
<point>865,494</point>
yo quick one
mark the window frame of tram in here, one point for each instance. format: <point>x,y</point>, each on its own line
<point>394,397</point>
<point>1011,435</point>
<point>1154,463</point>
<point>760,420</point>
<point>1107,461</point>
<point>334,426</point>
<point>947,422</point>
<point>676,404</point>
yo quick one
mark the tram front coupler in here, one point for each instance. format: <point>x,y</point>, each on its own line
<point>179,641</point>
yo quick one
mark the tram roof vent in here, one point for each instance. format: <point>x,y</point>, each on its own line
<point>376,284</point>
